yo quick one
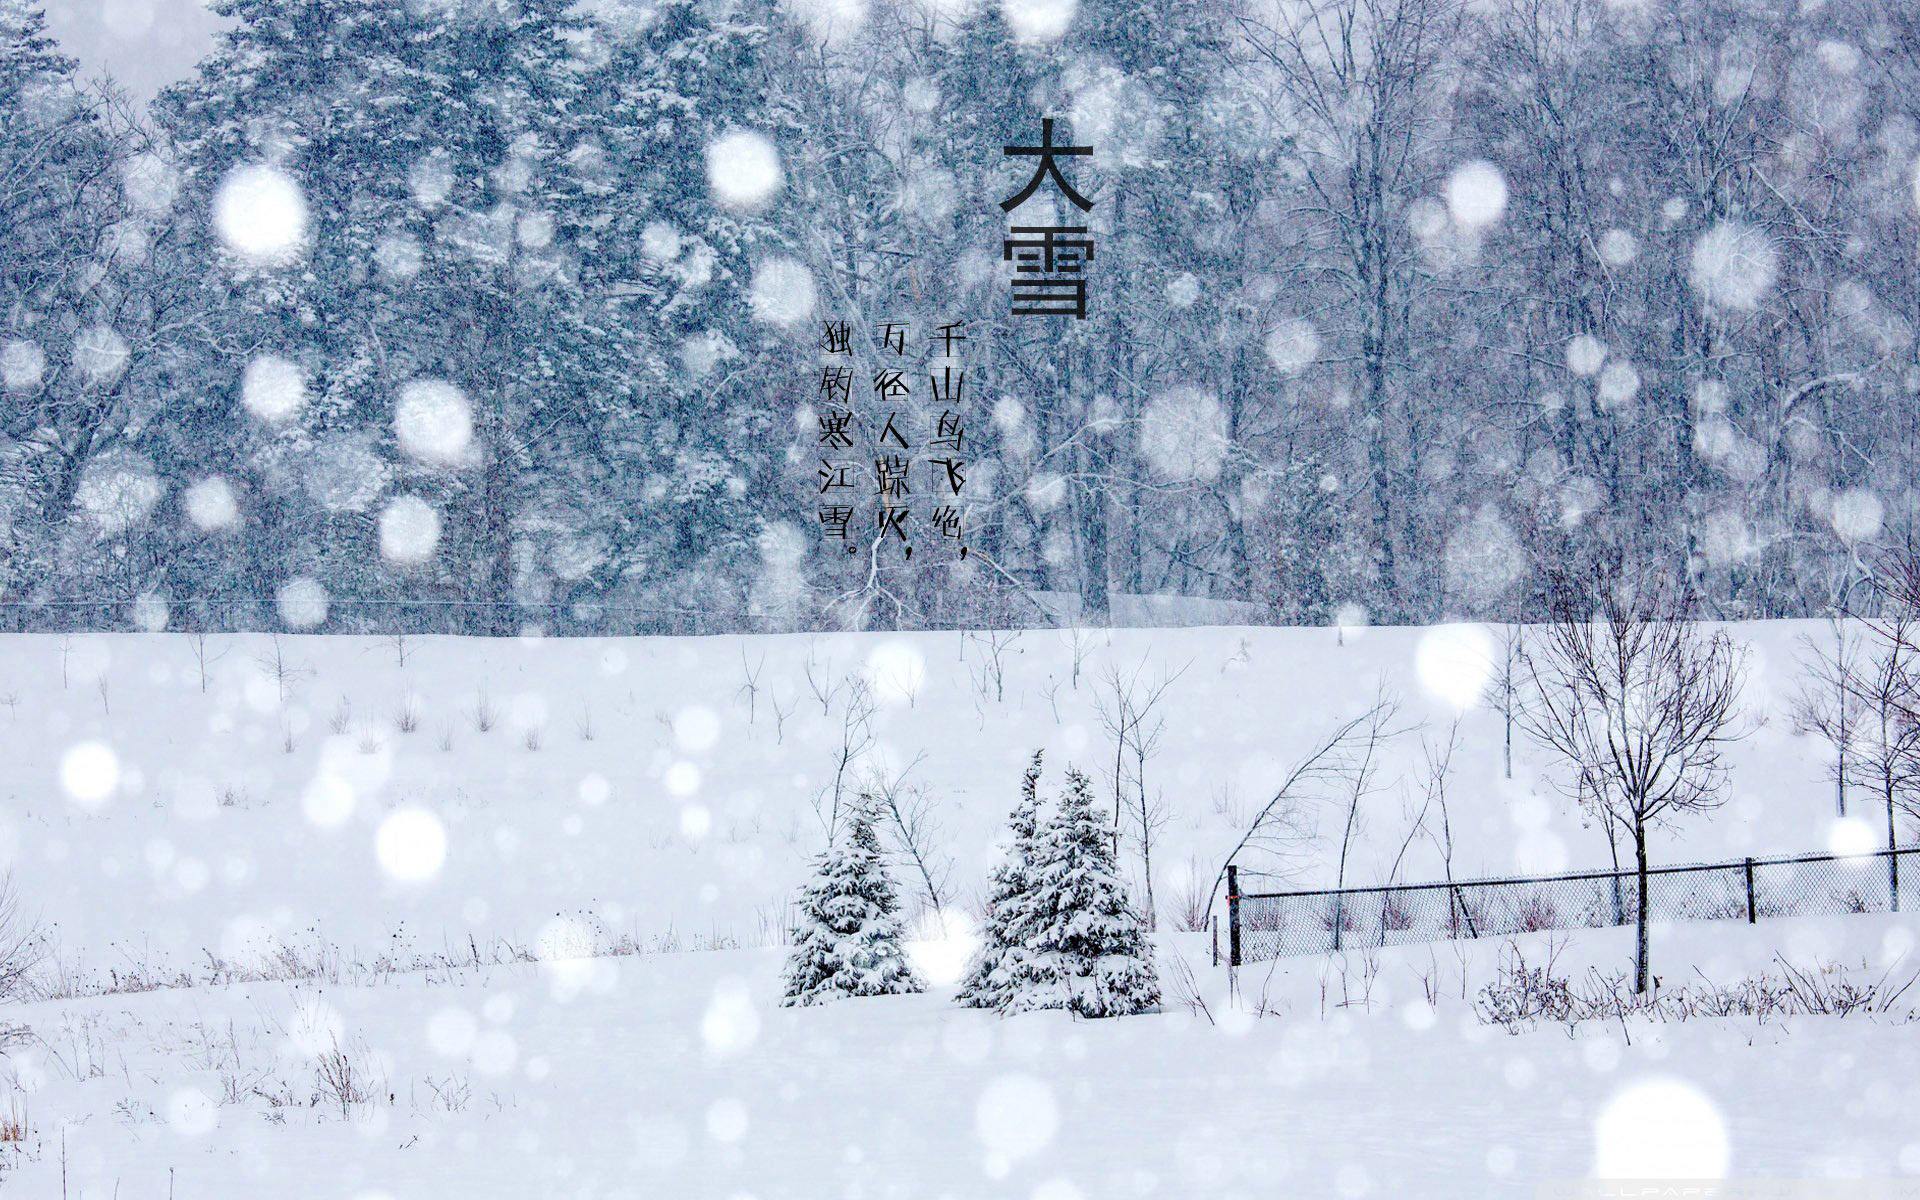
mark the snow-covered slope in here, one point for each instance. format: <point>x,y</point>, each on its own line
<point>359,790</point>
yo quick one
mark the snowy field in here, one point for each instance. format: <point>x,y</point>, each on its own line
<point>321,808</point>
<point>663,788</point>
<point>677,1075</point>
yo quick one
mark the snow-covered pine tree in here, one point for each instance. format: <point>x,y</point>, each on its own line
<point>695,115</point>
<point>68,428</point>
<point>1001,965</point>
<point>848,939</point>
<point>1087,945</point>
<point>452,190</point>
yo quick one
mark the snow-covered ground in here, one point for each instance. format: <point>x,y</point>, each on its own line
<point>657,794</point>
<point>678,1075</point>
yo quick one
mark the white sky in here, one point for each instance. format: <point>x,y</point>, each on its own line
<point>145,44</point>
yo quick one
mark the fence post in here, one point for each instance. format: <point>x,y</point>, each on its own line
<point>1893,877</point>
<point>1751,914</point>
<point>1213,926</point>
<point>1233,915</point>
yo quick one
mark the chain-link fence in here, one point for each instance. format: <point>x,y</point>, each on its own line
<point>1274,924</point>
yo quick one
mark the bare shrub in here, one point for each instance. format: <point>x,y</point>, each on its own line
<point>1394,917</point>
<point>1537,913</point>
<point>774,923</point>
<point>1190,896</point>
<point>1522,993</point>
<point>13,1121</point>
<point>1183,989</point>
<point>346,1076</point>
<point>451,1094</point>
<point>22,945</point>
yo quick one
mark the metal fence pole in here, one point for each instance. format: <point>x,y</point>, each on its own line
<point>1233,915</point>
<point>1752,913</point>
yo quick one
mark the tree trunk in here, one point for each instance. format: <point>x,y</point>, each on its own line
<point>1088,501</point>
<point>1642,979</point>
<point>1893,858</point>
<point>1613,881</point>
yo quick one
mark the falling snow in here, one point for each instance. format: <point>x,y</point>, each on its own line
<point>22,365</point>
<point>782,293</point>
<point>1734,265</point>
<point>273,389</point>
<point>409,531</point>
<point>1183,435</point>
<point>1476,194</point>
<point>261,215</point>
<point>743,169</point>
<point>1039,21</point>
<point>1293,346</point>
<point>118,490</point>
<point>302,603</point>
<point>434,423</point>
<point>517,336</point>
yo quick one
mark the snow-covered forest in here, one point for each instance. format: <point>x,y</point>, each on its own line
<point>484,317</point>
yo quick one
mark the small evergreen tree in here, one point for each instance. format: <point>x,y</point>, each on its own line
<point>1088,947</point>
<point>1001,965</point>
<point>848,940</point>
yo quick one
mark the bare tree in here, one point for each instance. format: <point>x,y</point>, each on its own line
<point>1127,711</point>
<point>856,738</point>
<point>820,681</point>
<point>909,812</point>
<point>201,658</point>
<point>1439,766</point>
<point>1887,759</point>
<point>990,675</point>
<point>1831,703</point>
<point>780,716</point>
<point>751,688</point>
<point>1284,824</point>
<point>1504,690</point>
<point>1359,85</point>
<point>1638,702</point>
<point>1889,691</point>
<point>284,672</point>
<point>1361,776</point>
